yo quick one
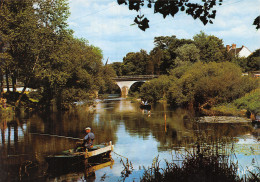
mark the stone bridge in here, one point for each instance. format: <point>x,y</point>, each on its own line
<point>125,82</point>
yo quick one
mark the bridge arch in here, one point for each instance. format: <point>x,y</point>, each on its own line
<point>125,82</point>
<point>125,86</point>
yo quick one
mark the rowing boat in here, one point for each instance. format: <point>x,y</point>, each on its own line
<point>70,157</point>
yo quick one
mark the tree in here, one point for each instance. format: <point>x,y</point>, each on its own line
<point>135,63</point>
<point>207,84</point>
<point>33,29</point>
<point>155,89</point>
<point>211,48</point>
<point>164,51</point>
<point>253,61</point>
<point>38,48</point>
<point>156,56</point>
<point>204,11</point>
<point>188,53</point>
<point>117,66</point>
<point>75,72</point>
<point>108,85</point>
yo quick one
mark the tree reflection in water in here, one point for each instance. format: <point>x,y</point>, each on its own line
<point>134,134</point>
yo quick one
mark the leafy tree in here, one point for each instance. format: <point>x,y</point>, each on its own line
<point>117,66</point>
<point>156,56</point>
<point>188,53</point>
<point>156,89</point>
<point>208,84</point>
<point>241,62</point>
<point>204,11</point>
<point>135,63</point>
<point>38,46</point>
<point>164,51</point>
<point>33,29</point>
<point>253,61</point>
<point>108,85</point>
<point>74,72</point>
<point>211,48</point>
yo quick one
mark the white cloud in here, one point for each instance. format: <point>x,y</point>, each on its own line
<point>107,25</point>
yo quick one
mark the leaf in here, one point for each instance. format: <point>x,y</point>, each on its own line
<point>257,22</point>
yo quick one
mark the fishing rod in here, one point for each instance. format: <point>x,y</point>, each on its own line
<point>45,134</point>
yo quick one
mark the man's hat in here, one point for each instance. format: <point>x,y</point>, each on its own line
<point>88,128</point>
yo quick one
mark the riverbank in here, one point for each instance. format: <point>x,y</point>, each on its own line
<point>28,102</point>
<point>223,119</point>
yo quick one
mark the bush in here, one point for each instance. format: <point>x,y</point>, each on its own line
<point>155,89</point>
<point>208,84</point>
<point>250,102</point>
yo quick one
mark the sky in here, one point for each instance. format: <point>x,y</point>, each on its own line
<point>107,25</point>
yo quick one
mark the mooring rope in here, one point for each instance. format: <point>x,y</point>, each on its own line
<point>120,155</point>
<point>44,134</point>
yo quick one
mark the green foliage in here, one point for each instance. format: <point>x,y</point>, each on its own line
<point>170,52</point>
<point>187,53</point>
<point>165,51</point>
<point>227,109</point>
<point>37,44</point>
<point>211,48</point>
<point>253,62</point>
<point>108,85</point>
<point>117,66</point>
<point>71,95</point>
<point>250,102</point>
<point>204,10</point>
<point>156,89</point>
<point>208,83</point>
<point>241,62</point>
<point>135,63</point>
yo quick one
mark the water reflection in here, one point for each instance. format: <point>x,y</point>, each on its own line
<point>137,134</point>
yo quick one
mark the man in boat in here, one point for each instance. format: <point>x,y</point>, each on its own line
<point>87,140</point>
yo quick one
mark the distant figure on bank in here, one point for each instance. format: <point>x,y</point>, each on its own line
<point>87,140</point>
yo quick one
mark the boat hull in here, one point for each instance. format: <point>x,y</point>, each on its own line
<point>148,107</point>
<point>70,158</point>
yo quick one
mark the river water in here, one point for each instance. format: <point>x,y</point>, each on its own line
<point>138,135</point>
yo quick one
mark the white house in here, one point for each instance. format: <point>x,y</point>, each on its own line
<point>240,52</point>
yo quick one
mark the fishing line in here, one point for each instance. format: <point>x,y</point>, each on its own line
<point>44,134</point>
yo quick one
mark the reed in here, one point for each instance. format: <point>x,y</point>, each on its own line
<point>199,166</point>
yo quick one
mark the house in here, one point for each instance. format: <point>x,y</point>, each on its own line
<point>240,52</point>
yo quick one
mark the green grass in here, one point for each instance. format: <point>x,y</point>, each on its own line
<point>228,110</point>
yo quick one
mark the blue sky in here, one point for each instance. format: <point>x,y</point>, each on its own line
<point>107,25</point>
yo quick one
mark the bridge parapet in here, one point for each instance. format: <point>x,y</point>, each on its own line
<point>135,77</point>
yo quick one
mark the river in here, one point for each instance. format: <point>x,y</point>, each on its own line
<point>138,135</point>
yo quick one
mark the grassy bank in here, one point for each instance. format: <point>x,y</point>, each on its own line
<point>247,106</point>
<point>228,110</point>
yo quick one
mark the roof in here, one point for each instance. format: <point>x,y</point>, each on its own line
<point>235,51</point>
